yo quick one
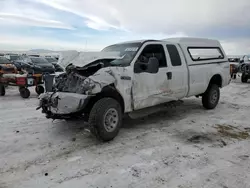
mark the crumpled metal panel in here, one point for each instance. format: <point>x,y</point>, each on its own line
<point>73,83</point>
<point>64,103</point>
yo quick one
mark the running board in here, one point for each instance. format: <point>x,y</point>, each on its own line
<point>151,110</point>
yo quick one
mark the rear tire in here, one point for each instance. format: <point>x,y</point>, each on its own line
<point>105,119</point>
<point>211,97</point>
<point>244,78</point>
<point>25,93</point>
<point>2,90</point>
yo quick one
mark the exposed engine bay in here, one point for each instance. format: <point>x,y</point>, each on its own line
<point>76,79</point>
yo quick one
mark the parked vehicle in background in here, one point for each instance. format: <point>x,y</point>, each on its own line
<point>38,64</point>
<point>34,55</point>
<point>143,78</point>
<point>7,67</point>
<point>244,68</point>
<point>234,66</point>
<point>23,81</point>
<point>51,59</point>
<point>12,57</point>
<point>54,61</point>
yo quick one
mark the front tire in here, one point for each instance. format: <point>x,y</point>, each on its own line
<point>105,119</point>
<point>211,97</point>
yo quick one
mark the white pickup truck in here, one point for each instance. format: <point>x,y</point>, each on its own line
<point>136,78</point>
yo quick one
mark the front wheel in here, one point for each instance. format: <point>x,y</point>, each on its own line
<point>105,119</point>
<point>211,97</point>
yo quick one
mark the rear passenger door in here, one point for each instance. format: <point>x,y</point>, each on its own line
<point>178,70</point>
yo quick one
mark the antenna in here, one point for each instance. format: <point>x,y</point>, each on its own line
<point>86,44</point>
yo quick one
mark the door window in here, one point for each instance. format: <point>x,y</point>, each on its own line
<point>153,50</point>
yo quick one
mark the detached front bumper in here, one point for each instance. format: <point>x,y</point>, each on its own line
<point>61,105</point>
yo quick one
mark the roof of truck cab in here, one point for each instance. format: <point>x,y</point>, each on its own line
<point>137,41</point>
<point>189,41</point>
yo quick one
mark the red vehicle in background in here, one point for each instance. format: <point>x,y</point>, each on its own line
<point>23,78</point>
<point>7,67</point>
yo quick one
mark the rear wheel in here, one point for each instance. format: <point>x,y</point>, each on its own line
<point>244,78</point>
<point>105,119</point>
<point>211,97</point>
<point>2,90</point>
<point>25,93</point>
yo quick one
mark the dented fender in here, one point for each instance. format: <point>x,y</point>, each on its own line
<point>101,79</point>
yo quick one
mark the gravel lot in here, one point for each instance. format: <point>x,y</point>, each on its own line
<point>183,147</point>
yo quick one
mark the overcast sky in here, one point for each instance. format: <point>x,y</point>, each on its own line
<point>93,24</point>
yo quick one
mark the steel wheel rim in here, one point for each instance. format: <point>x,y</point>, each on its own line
<point>110,120</point>
<point>214,97</point>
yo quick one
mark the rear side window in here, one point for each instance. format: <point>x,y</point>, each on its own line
<point>174,55</point>
<point>205,53</point>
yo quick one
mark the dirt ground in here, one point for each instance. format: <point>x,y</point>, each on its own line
<point>183,147</point>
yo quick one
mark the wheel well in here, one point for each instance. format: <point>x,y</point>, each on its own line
<point>108,91</point>
<point>216,79</point>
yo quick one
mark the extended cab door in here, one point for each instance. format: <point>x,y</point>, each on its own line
<point>150,89</point>
<point>179,83</point>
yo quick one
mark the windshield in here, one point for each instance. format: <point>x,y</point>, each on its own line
<point>127,52</point>
<point>4,60</point>
<point>50,59</point>
<point>39,61</point>
<point>13,57</point>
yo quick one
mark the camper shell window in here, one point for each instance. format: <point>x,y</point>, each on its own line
<point>205,53</point>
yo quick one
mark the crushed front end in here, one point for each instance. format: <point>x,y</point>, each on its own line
<point>69,95</point>
<point>62,105</point>
<point>72,91</point>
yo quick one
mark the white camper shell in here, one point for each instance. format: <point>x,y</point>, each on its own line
<point>139,78</point>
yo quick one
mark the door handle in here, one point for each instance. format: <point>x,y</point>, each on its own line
<point>169,75</point>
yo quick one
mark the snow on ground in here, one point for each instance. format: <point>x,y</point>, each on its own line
<point>183,147</point>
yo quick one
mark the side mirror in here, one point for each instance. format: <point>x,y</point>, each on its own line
<point>153,65</point>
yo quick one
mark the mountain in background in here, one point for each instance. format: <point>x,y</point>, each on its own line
<point>41,51</point>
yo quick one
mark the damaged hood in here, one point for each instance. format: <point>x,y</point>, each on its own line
<point>82,59</point>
